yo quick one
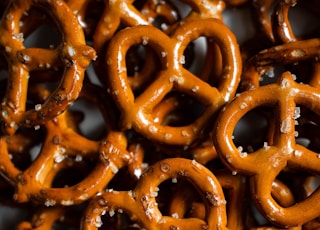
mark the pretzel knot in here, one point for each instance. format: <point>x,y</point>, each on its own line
<point>137,110</point>
<point>141,204</point>
<point>264,164</point>
<point>72,55</point>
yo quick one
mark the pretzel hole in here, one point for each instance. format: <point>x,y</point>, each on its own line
<point>135,58</point>
<point>307,129</point>
<point>195,56</point>
<point>250,136</point>
<point>92,75</point>
<point>301,72</point>
<point>304,26</point>
<point>244,29</point>
<point>89,121</point>
<point>13,214</point>
<point>39,90</point>
<point>69,220</point>
<point>122,174</point>
<point>24,147</point>
<point>257,217</point>
<point>73,172</point>
<point>89,19</point>
<point>46,35</point>
<point>184,112</point>
<point>142,63</point>
<point>117,218</point>
<point>301,184</point>
<point>6,190</point>
<point>161,23</point>
<point>188,201</point>
<point>4,74</point>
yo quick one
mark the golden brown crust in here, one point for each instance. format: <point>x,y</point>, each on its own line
<point>172,142</point>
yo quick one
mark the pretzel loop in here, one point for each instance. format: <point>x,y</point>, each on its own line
<point>74,56</point>
<point>283,152</point>
<point>137,111</point>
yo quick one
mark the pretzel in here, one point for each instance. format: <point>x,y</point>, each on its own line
<point>137,111</point>
<point>141,204</point>
<point>73,55</point>
<point>283,151</point>
<point>62,142</point>
<point>131,16</point>
<point>117,14</point>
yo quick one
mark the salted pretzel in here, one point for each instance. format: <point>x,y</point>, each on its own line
<point>137,111</point>
<point>117,12</point>
<point>282,152</point>
<point>141,203</point>
<point>72,54</point>
<point>60,143</point>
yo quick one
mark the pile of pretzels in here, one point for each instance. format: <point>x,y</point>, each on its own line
<point>152,114</point>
